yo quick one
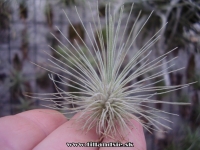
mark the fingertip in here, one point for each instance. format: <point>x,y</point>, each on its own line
<point>48,120</point>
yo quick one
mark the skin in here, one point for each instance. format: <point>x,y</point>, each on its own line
<point>47,129</point>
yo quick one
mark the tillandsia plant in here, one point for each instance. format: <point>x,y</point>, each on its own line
<point>108,94</point>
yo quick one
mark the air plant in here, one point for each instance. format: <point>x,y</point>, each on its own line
<point>109,95</point>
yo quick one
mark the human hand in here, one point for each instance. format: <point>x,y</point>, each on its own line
<point>44,129</point>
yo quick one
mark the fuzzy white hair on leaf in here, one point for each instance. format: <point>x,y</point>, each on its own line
<point>108,95</point>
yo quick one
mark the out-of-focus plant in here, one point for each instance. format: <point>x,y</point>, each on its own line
<point>23,9</point>
<point>24,104</point>
<point>24,43</point>
<point>76,32</point>
<point>159,84</point>
<point>190,70</point>
<point>184,99</point>
<point>181,16</point>
<point>190,140</point>
<point>68,2</point>
<point>196,77</point>
<point>49,14</point>
<point>5,14</point>
<point>17,63</point>
<point>43,80</point>
<point>102,9</point>
<point>184,110</point>
<point>195,111</point>
<point>18,83</point>
<point>16,79</point>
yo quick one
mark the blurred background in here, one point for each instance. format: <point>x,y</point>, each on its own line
<point>25,33</point>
